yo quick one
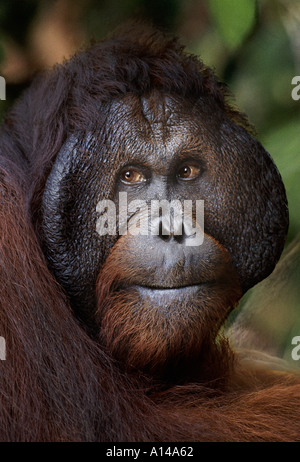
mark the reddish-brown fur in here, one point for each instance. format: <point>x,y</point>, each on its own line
<point>58,384</point>
<point>139,335</point>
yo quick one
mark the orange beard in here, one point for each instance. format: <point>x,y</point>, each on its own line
<point>170,334</point>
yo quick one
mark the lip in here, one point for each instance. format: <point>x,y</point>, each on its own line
<point>179,287</point>
<point>168,297</point>
<point>151,291</point>
<point>162,288</point>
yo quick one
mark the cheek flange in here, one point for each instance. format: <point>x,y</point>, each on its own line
<point>70,241</point>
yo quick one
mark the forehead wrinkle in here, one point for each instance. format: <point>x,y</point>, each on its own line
<point>128,121</point>
<point>156,113</point>
<point>127,134</point>
<point>134,138</point>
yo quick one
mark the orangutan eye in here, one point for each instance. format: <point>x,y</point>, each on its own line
<point>188,171</point>
<point>132,176</point>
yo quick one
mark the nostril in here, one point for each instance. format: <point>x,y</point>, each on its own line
<point>163,232</point>
<point>180,234</point>
<point>165,238</point>
<point>178,238</point>
<point>168,231</point>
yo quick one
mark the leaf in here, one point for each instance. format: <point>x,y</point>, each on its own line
<point>234,19</point>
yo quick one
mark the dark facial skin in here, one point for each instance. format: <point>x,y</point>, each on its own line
<point>164,158</point>
<point>163,147</point>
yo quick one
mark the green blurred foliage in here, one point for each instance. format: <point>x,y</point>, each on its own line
<point>103,16</point>
<point>15,17</point>
<point>234,19</point>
